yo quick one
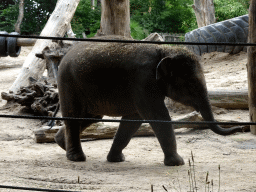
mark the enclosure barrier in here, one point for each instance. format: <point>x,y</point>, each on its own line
<point>10,44</point>
<point>33,189</point>
<point>124,120</point>
<point>29,40</point>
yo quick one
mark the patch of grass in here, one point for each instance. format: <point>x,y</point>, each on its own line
<point>192,179</point>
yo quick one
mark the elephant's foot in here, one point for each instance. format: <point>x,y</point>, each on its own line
<point>76,156</point>
<point>60,138</point>
<point>174,160</point>
<point>115,157</point>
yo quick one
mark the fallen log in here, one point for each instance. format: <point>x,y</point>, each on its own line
<point>108,130</point>
<point>229,99</point>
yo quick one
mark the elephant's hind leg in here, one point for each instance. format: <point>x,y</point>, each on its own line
<point>60,138</point>
<point>122,138</point>
<point>74,149</point>
<point>73,146</point>
<point>72,105</point>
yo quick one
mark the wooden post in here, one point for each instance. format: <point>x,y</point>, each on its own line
<point>115,18</point>
<point>57,25</point>
<point>205,12</point>
<point>252,65</point>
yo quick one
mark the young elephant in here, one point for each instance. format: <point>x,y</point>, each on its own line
<point>132,81</point>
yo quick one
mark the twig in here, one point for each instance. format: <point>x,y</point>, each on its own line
<point>219,178</point>
<point>207,182</point>
<point>191,174</point>
<point>194,170</point>
<point>164,188</point>
<point>190,185</point>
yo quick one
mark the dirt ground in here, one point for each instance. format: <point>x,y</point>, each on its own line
<point>26,163</point>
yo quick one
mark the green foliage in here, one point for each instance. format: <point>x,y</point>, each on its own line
<point>244,3</point>
<point>36,14</point>
<point>163,16</point>
<point>8,17</point>
<point>147,16</point>
<point>137,32</point>
<point>227,9</point>
<point>86,19</point>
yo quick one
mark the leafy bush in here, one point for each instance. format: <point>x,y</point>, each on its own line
<point>229,9</point>
<point>86,19</point>
<point>36,14</point>
<point>163,16</point>
<point>137,32</point>
<point>8,17</point>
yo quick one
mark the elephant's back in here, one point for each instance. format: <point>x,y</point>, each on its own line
<point>105,74</point>
<point>108,66</point>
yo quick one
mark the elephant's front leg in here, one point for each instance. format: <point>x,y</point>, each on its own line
<point>156,110</point>
<point>122,138</point>
<point>166,137</point>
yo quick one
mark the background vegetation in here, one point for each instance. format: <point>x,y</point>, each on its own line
<point>147,16</point>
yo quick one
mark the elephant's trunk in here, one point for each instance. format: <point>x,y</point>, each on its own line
<point>206,112</point>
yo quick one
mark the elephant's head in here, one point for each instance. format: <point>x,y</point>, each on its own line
<point>181,76</point>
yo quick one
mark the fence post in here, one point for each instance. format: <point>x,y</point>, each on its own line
<point>252,65</point>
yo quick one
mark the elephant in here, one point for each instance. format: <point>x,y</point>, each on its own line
<point>131,81</point>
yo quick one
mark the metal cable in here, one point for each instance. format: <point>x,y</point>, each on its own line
<point>114,120</point>
<point>124,41</point>
<point>33,189</point>
<point>125,120</point>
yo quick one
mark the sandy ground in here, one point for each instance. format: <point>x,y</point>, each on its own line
<point>25,163</point>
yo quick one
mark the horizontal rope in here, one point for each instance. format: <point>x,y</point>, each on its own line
<point>33,189</point>
<point>124,41</point>
<point>125,120</point>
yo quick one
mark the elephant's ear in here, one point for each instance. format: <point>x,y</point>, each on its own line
<point>180,65</point>
<point>162,68</point>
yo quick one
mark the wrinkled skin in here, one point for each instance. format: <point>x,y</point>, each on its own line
<point>132,81</point>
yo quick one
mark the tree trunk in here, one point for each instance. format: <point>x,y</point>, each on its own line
<point>252,65</point>
<point>205,12</point>
<point>20,17</point>
<point>57,26</point>
<point>115,18</point>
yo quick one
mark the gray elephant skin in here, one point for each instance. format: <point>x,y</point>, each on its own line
<point>132,81</point>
